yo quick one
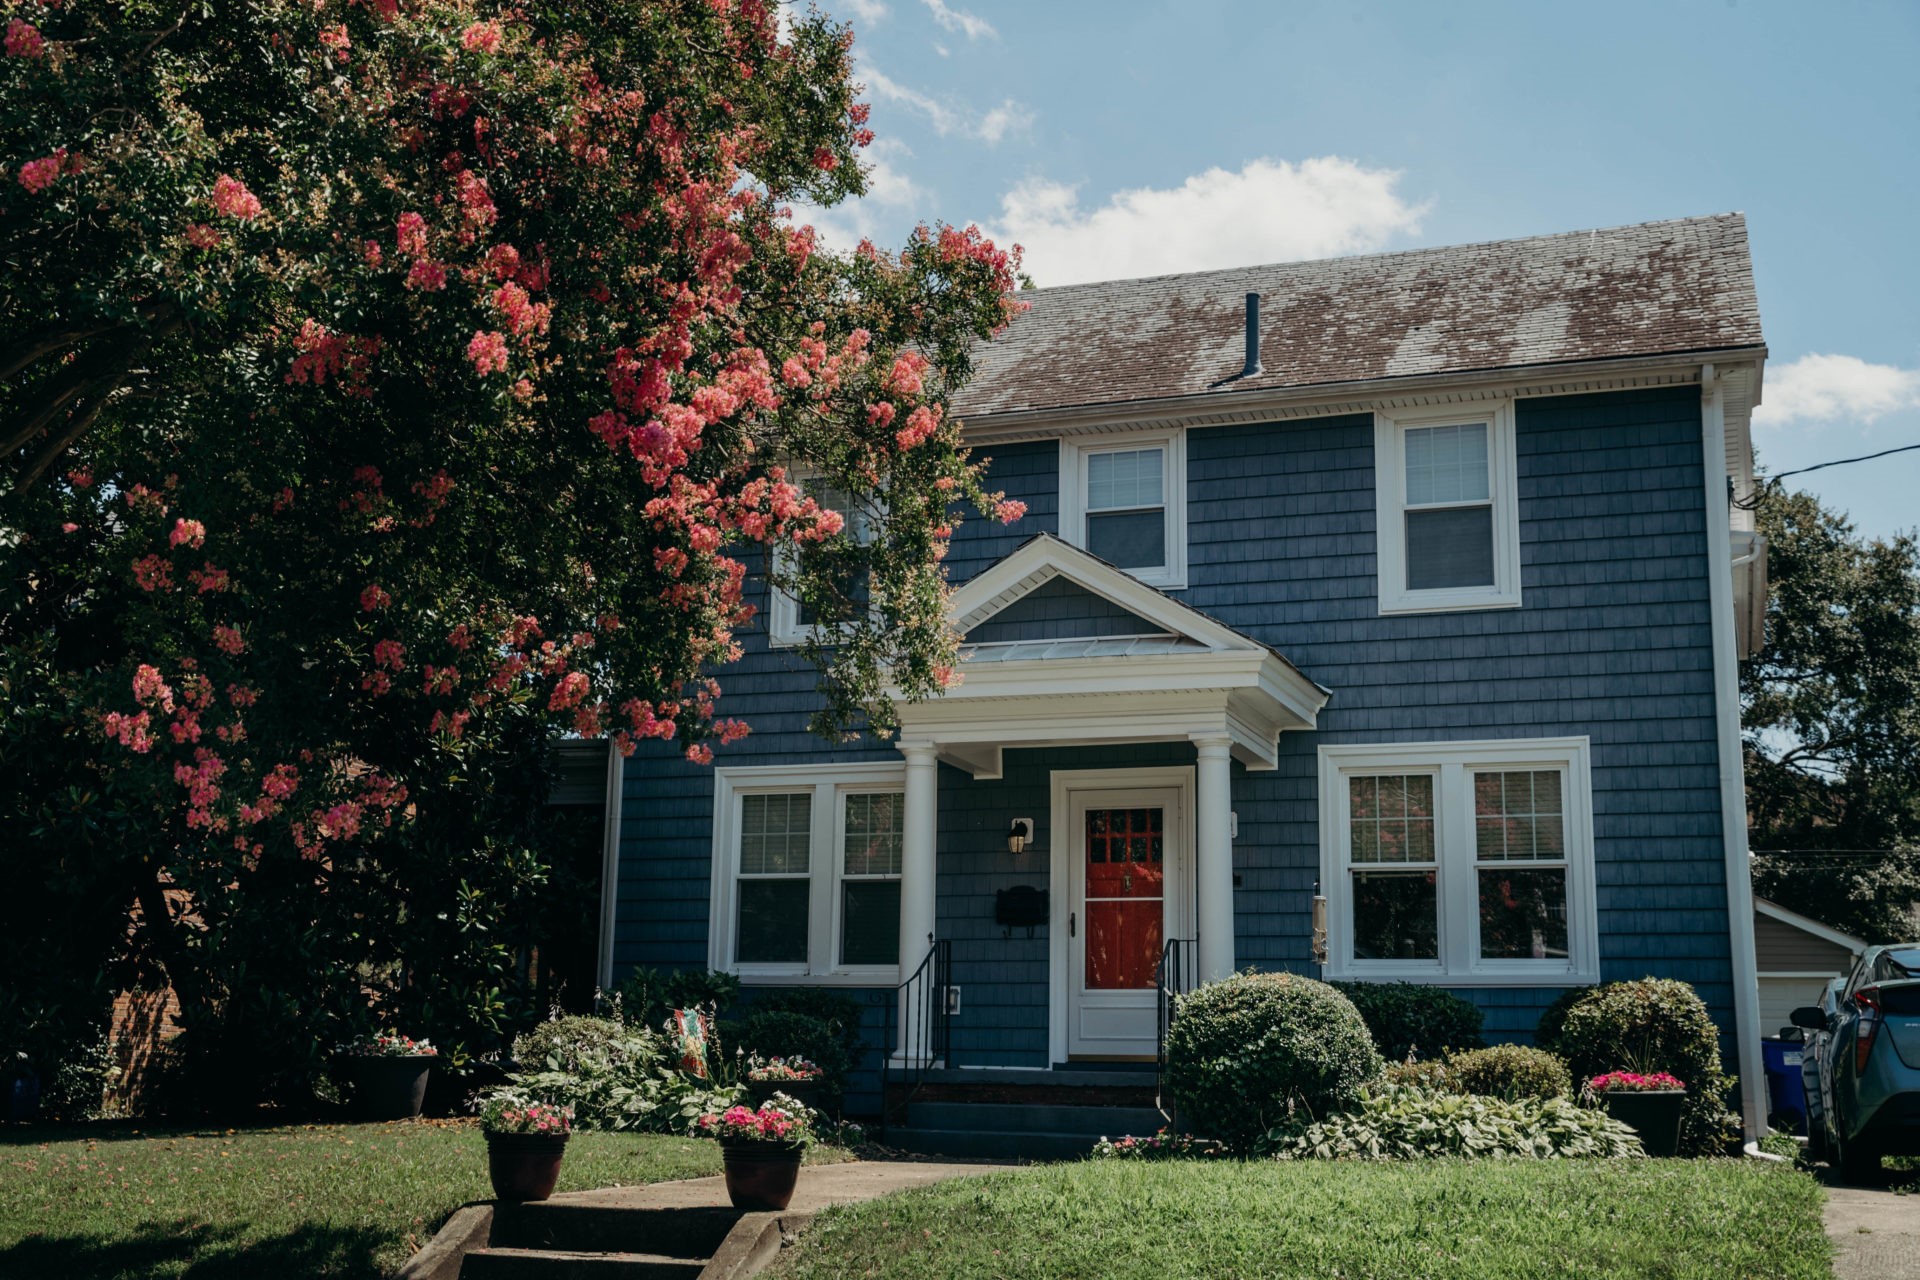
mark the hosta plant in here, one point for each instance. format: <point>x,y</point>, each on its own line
<point>1399,1123</point>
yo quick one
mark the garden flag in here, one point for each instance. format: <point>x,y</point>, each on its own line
<point>691,1027</point>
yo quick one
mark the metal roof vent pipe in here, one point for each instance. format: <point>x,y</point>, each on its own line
<point>1253,337</point>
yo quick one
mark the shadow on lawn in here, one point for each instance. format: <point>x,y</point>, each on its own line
<point>196,1253</point>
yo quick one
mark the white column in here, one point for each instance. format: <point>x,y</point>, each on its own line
<point>917,871</point>
<point>1214,858</point>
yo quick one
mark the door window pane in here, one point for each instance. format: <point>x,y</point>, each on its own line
<point>1449,547</point>
<point>773,922</point>
<point>1396,915</point>
<point>870,922</point>
<point>1392,818</point>
<point>1523,913</point>
<point>1447,464</point>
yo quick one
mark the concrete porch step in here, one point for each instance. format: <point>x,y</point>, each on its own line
<point>492,1263</point>
<point>692,1231</point>
<point>1039,1117</point>
<point>1119,1077</point>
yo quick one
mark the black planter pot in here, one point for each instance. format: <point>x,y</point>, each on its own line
<point>1654,1114</point>
<point>386,1088</point>
<point>524,1166</point>
<point>809,1093</point>
<point>760,1175</point>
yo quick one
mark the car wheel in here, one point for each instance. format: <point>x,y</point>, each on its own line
<point>1856,1162</point>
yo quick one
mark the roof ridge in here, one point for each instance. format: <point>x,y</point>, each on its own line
<point>1734,216</point>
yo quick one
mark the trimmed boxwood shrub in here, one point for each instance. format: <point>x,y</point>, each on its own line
<point>1407,1019</point>
<point>1399,1123</point>
<point>1260,1051</point>
<point>1648,1025</point>
<point>1509,1071</point>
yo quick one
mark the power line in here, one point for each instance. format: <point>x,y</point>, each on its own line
<point>1768,482</point>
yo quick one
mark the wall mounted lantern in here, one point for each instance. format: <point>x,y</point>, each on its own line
<point>1019,834</point>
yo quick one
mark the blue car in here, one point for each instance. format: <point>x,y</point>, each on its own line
<point>1861,1063</point>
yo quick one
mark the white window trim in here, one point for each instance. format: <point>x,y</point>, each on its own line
<point>1390,487</point>
<point>830,784</point>
<point>784,628</point>
<point>1073,495</point>
<point>1450,763</point>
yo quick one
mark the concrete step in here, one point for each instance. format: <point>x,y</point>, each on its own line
<point>993,1144</point>
<point>493,1263</point>
<point>1119,1077</point>
<point>693,1231</point>
<point>1046,1117</point>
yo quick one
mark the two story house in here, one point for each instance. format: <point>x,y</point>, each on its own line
<point>1408,581</point>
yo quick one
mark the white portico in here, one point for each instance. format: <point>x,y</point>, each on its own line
<point>1062,649</point>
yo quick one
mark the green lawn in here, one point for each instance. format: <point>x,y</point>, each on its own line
<point>1481,1220</point>
<point>288,1203</point>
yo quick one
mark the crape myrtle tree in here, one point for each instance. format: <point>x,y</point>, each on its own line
<point>1831,709</point>
<point>393,387</point>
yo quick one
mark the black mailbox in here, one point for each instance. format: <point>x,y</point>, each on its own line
<point>1022,906</point>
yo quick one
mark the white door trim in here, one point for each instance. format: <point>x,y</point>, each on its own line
<point>1060,887</point>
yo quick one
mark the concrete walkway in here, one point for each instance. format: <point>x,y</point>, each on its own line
<point>820,1185</point>
<point>1875,1233</point>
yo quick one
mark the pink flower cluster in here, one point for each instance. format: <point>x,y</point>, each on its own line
<point>772,1069</point>
<point>231,199</point>
<point>388,1044</point>
<point>743,1124</point>
<point>505,1113</point>
<point>1634,1082</point>
<point>24,40</point>
<point>38,175</point>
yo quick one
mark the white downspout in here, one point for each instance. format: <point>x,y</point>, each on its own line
<point>1733,787</point>
<point>610,864</point>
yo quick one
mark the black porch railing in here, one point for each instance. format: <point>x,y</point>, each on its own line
<point>917,1032</point>
<point>1175,978</point>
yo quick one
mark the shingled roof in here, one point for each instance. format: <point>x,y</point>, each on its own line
<point>1651,289</point>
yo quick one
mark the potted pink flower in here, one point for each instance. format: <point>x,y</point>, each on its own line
<point>760,1151</point>
<point>796,1077</point>
<point>1649,1104</point>
<point>386,1075</point>
<point>526,1141</point>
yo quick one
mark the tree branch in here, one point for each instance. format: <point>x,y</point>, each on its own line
<point>61,442</point>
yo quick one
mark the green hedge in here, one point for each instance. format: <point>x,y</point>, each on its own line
<point>1509,1071</point>
<point>1260,1051</point>
<point>1409,1019</point>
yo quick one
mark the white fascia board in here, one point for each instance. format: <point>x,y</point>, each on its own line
<point>1793,919</point>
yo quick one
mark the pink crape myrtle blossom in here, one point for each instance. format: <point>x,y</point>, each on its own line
<point>38,175</point>
<point>24,40</point>
<point>231,199</point>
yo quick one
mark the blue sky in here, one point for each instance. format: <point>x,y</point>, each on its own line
<point>1119,139</point>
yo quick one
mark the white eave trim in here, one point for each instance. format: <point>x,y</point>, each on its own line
<point>1793,919</point>
<point>1219,408</point>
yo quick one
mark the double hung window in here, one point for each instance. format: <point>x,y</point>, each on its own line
<point>1459,862</point>
<point>1448,519</point>
<point>791,620</point>
<point>1123,498</point>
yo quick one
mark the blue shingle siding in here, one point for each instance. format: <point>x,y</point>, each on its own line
<point>1613,642</point>
<point>1061,610</point>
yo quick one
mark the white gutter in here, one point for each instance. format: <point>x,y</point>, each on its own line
<point>610,865</point>
<point>1733,787</point>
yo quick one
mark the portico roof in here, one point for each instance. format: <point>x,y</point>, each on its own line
<point>1118,661</point>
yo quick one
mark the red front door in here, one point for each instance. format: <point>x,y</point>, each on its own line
<point>1126,897</point>
<point>1126,858</point>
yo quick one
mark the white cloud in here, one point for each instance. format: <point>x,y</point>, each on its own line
<point>1821,388</point>
<point>866,10</point>
<point>892,198</point>
<point>975,26</point>
<point>947,119</point>
<point>1269,211</point>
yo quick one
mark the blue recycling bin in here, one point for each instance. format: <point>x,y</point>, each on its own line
<point>1786,1095</point>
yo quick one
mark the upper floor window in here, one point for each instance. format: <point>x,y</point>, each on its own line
<point>1447,513</point>
<point>1459,862</point>
<point>1123,498</point>
<point>791,620</point>
<point>806,873</point>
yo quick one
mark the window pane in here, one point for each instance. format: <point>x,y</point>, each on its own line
<point>1391,818</point>
<point>1523,914</point>
<point>776,833</point>
<point>773,922</point>
<point>1450,548</point>
<point>1131,540</point>
<point>874,829</point>
<point>847,568</point>
<point>870,922</point>
<point>1517,814</point>
<point>1129,478</point>
<point>1447,464</point>
<point>1396,916</point>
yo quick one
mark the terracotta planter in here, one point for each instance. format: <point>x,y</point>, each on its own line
<point>806,1092</point>
<point>1654,1114</point>
<point>760,1175</point>
<point>386,1088</point>
<point>524,1166</point>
